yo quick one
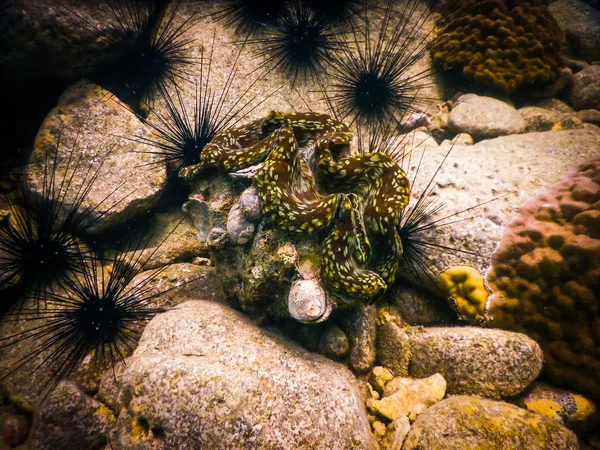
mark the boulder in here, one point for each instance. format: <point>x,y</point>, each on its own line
<point>204,376</point>
<point>408,397</point>
<point>581,24</point>
<point>89,141</point>
<point>484,117</point>
<point>462,422</point>
<point>584,92</point>
<point>475,361</point>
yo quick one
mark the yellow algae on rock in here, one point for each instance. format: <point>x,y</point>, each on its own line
<point>572,409</point>
<point>467,288</point>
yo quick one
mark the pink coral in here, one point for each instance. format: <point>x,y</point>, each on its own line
<point>545,278</point>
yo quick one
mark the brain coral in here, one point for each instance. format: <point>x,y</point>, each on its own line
<point>501,43</point>
<point>545,279</point>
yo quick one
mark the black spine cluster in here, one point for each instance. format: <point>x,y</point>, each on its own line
<point>250,17</point>
<point>41,239</point>
<point>372,82</point>
<point>301,43</point>
<point>148,47</point>
<point>68,301</point>
<point>180,137</point>
<point>100,313</point>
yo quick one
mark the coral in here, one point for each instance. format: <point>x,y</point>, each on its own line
<point>501,43</point>
<point>466,287</point>
<point>361,253</point>
<point>545,277</point>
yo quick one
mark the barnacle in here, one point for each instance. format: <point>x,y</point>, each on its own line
<point>357,199</point>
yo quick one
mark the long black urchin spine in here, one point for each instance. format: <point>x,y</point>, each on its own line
<point>301,44</point>
<point>180,136</point>
<point>376,80</point>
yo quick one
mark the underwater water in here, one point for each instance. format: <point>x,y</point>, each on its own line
<point>298,224</point>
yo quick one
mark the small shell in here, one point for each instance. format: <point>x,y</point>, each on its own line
<point>307,302</point>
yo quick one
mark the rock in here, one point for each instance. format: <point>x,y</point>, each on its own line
<point>379,429</point>
<point>204,376</point>
<point>589,116</point>
<point>554,104</point>
<point>68,416</point>
<point>361,328</point>
<point>418,139</point>
<point>379,377</point>
<point>127,183</point>
<point>584,92</point>
<point>462,422</point>
<point>459,139</point>
<point>539,119</point>
<point>569,408</point>
<point>484,118</point>
<point>475,361</point>
<point>581,24</point>
<point>408,397</point>
<point>555,87</point>
<point>575,65</point>
<point>395,434</point>
<point>366,390</point>
<point>46,38</point>
<point>568,123</point>
<point>334,343</point>
<point>418,307</point>
<point>15,429</point>
<point>178,283</point>
<point>393,348</point>
<point>169,238</point>
<point>511,167</point>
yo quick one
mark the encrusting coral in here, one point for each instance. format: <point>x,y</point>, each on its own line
<point>361,253</point>
<point>545,277</point>
<point>501,43</point>
<point>467,288</point>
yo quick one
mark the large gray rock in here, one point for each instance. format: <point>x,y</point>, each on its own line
<point>462,422</point>
<point>509,169</point>
<point>581,24</point>
<point>475,361</point>
<point>584,92</point>
<point>93,133</point>
<point>207,377</point>
<point>484,117</point>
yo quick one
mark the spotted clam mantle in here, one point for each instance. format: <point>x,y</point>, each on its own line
<point>355,201</point>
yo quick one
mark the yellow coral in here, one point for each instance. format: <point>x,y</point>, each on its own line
<point>466,286</point>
